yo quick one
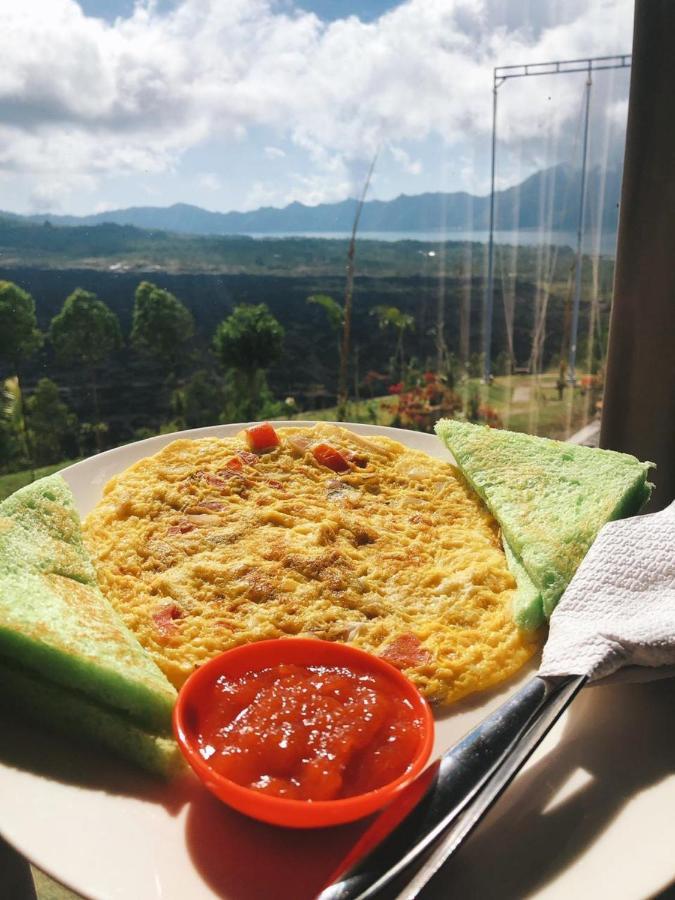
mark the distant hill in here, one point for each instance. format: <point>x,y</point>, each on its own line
<point>549,198</point>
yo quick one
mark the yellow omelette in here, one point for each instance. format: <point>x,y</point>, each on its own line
<point>205,546</point>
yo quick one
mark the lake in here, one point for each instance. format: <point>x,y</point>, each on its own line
<point>523,238</point>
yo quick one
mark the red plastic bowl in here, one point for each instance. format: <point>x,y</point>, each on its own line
<point>303,652</point>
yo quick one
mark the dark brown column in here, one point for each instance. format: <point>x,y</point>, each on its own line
<point>639,404</point>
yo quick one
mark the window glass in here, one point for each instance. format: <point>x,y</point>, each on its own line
<point>196,194</point>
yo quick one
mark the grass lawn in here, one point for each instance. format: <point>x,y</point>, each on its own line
<point>371,412</point>
<point>15,480</point>
<point>523,402</point>
<point>533,405</point>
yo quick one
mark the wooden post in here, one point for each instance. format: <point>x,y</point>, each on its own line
<point>639,403</point>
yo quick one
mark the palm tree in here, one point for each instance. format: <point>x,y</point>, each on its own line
<point>393,317</point>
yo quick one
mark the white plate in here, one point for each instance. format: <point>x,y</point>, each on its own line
<point>591,816</point>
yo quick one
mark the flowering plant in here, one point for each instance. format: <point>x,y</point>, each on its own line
<point>422,405</point>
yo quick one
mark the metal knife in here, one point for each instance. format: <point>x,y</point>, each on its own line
<point>431,818</point>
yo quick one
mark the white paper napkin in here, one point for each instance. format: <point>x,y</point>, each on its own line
<point>619,609</point>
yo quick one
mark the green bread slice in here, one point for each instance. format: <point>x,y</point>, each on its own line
<point>55,622</point>
<point>40,531</point>
<point>528,609</point>
<point>550,498</point>
<point>68,712</point>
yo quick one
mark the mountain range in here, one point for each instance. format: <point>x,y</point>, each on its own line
<point>547,199</point>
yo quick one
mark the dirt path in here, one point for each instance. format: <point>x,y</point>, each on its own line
<point>521,394</point>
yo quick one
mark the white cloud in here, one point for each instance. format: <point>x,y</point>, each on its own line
<point>81,98</point>
<point>403,158</point>
<point>50,195</point>
<point>311,189</point>
<point>210,181</point>
<point>104,206</point>
<point>617,112</point>
<point>274,153</point>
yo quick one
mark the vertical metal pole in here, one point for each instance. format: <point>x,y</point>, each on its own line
<point>580,234</point>
<point>487,308</point>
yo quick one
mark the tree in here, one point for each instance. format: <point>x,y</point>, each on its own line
<point>51,423</point>
<point>249,341</point>
<point>19,339</point>
<point>161,324</point>
<point>12,444</point>
<point>19,335</point>
<point>335,314</point>
<point>85,333</point>
<point>392,317</point>
<point>91,436</point>
<point>201,401</point>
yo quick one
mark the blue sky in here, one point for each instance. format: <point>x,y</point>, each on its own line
<point>235,104</point>
<point>328,10</point>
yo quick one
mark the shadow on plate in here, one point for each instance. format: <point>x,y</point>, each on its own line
<point>242,859</point>
<point>622,738</point>
<point>236,856</point>
<point>32,749</point>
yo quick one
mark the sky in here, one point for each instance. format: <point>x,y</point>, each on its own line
<point>237,104</point>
